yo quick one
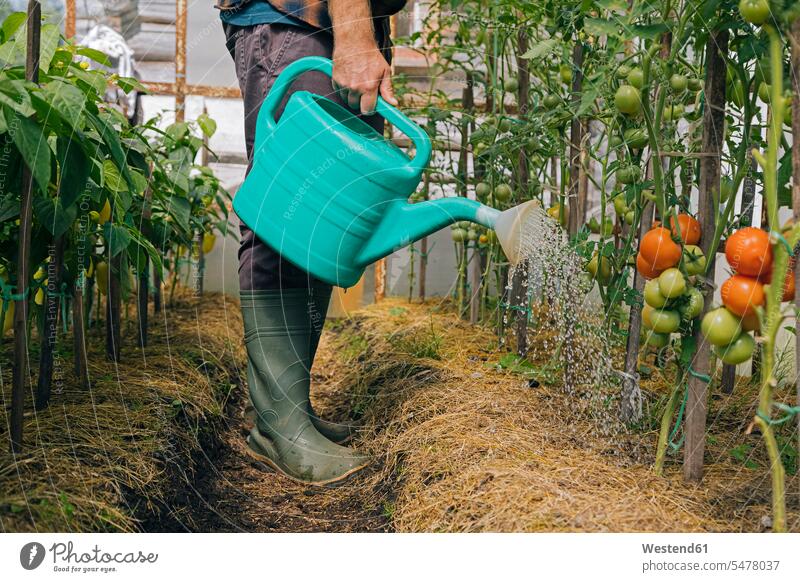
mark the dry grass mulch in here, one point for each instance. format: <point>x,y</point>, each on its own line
<point>121,456</point>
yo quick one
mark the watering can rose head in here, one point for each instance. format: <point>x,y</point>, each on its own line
<point>330,194</point>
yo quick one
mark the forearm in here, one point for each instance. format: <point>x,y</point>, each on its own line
<point>352,24</point>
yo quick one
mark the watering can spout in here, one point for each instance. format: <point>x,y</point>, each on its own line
<point>405,223</point>
<point>509,226</point>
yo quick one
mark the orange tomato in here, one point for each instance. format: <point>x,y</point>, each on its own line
<point>748,252</point>
<point>690,229</point>
<point>788,284</point>
<point>658,249</point>
<point>646,269</point>
<point>741,294</point>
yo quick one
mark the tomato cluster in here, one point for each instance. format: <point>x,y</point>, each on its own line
<point>658,250</point>
<point>669,300</point>
<point>749,253</point>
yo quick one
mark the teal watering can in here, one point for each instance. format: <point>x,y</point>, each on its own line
<point>330,194</point>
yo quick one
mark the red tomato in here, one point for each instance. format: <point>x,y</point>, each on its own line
<point>741,294</point>
<point>646,269</point>
<point>690,229</point>
<point>658,249</point>
<point>748,251</point>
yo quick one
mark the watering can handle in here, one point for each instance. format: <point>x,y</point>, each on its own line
<point>393,115</point>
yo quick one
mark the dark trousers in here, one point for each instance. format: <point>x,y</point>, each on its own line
<point>260,53</point>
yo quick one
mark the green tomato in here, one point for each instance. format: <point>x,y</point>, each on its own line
<point>628,100</point>
<point>630,216</point>
<point>551,101</point>
<point>720,327</point>
<point>695,84</point>
<point>665,320</point>
<point>533,144</point>
<point>482,190</point>
<point>505,125</point>
<point>614,141</point>
<point>647,311</point>
<point>738,351</point>
<point>679,83</point>
<point>620,206</point>
<point>672,283</point>
<point>565,73</point>
<point>694,260</point>
<point>636,78</point>
<point>694,304</point>
<point>635,138</point>
<point>629,174</point>
<point>472,234</point>
<point>502,193</point>
<point>600,268</point>
<point>652,294</point>
<point>608,227</point>
<point>673,112</point>
<point>511,85</point>
<point>623,71</point>
<point>656,340</point>
<point>594,225</point>
<point>754,11</point>
<point>459,235</point>
<point>763,92</point>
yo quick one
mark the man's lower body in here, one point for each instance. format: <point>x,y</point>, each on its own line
<point>283,307</point>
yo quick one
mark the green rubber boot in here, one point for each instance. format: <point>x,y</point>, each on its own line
<point>338,432</point>
<point>278,334</point>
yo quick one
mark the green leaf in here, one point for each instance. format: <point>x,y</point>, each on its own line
<point>181,210</point>
<point>32,144</point>
<point>111,139</point>
<point>51,34</point>
<point>541,49</point>
<point>94,54</point>
<point>117,236</point>
<point>14,94</point>
<point>94,79</point>
<point>9,208</point>
<point>12,23</point>
<point>112,179</point>
<point>601,26</point>
<point>75,166</point>
<point>651,31</point>
<point>53,215</point>
<point>207,125</point>
<point>129,84</point>
<point>67,100</point>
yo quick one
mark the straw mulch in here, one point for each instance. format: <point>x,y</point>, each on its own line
<point>463,447</point>
<point>122,455</point>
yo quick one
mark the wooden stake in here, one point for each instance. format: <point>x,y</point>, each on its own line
<point>21,364</point>
<point>713,136</point>
<point>575,142</point>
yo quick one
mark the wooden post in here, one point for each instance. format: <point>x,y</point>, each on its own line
<point>21,364</point>
<point>113,308</point>
<point>575,141</point>
<point>519,288</point>
<point>713,136</point>
<point>180,60</point>
<point>631,394</point>
<point>69,19</point>
<point>79,332</point>
<point>50,329</point>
